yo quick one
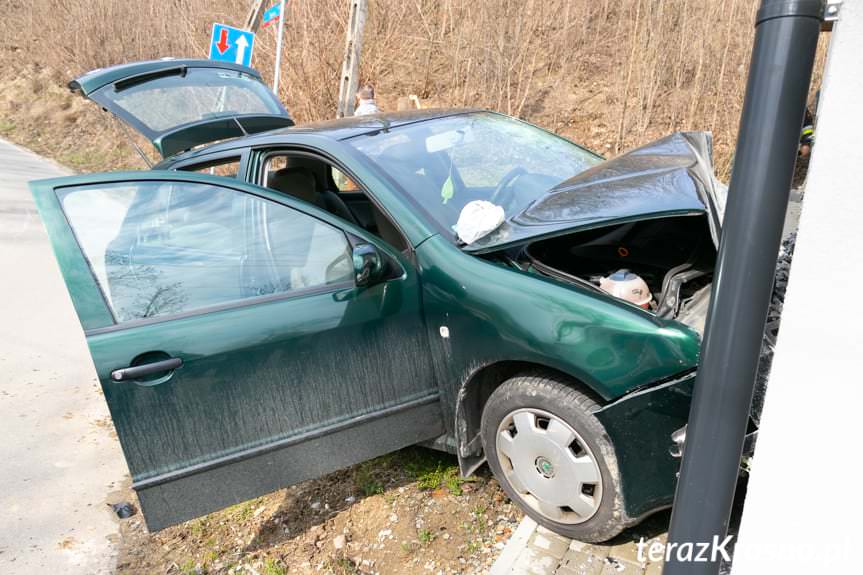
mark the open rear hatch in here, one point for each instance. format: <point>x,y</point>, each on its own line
<point>180,104</point>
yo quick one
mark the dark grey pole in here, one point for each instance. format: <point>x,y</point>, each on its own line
<point>786,36</point>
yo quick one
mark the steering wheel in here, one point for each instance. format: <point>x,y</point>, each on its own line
<point>499,197</point>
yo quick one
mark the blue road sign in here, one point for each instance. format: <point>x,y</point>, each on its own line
<point>271,15</point>
<point>230,44</point>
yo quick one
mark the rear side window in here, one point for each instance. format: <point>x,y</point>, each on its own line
<point>228,167</point>
<point>164,248</point>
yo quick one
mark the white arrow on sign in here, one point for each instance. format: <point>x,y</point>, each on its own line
<point>241,45</point>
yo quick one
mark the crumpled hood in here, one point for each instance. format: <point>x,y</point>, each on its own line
<point>673,175</point>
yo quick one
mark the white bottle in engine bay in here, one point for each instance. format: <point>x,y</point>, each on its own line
<point>627,286</point>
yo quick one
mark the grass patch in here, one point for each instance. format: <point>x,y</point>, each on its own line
<point>77,159</point>
<point>366,478</point>
<point>243,511</point>
<point>425,536</point>
<point>198,527</point>
<point>442,475</point>
<point>274,567</point>
<point>341,566</point>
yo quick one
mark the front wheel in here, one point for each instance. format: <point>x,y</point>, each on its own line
<point>553,457</point>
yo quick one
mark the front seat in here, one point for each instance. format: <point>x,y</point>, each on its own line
<point>296,182</point>
<point>335,205</point>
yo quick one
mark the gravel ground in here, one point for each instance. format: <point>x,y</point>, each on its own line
<point>406,512</point>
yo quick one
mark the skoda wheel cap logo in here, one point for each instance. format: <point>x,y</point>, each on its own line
<point>544,467</point>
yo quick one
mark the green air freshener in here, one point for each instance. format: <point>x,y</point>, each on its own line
<point>446,190</point>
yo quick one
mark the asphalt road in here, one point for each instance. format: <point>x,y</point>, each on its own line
<point>58,458</point>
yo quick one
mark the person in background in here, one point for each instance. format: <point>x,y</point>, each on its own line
<point>366,101</point>
<point>804,150</point>
<point>807,134</point>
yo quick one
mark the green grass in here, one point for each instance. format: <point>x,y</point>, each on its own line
<point>443,475</point>
<point>425,536</point>
<point>244,511</point>
<point>77,159</point>
<point>198,527</point>
<point>366,480</point>
<point>341,566</point>
<point>274,567</point>
<point>430,469</point>
<point>6,126</point>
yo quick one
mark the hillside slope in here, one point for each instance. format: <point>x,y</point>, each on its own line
<point>610,75</point>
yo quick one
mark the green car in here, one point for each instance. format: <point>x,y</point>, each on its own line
<point>273,302</point>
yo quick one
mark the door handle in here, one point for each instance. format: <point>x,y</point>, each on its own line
<point>148,368</point>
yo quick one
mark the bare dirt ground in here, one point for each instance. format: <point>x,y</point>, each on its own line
<point>407,512</point>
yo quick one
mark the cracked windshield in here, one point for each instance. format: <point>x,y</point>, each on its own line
<point>447,164</point>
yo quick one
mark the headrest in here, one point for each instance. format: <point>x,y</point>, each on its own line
<point>297,182</point>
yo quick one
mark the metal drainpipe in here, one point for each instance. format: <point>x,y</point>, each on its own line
<point>786,37</point>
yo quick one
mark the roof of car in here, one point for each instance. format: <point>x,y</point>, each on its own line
<point>340,129</point>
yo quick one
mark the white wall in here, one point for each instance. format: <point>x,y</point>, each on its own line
<point>804,505</point>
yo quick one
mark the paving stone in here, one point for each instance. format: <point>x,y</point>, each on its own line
<point>580,563</point>
<point>620,567</point>
<point>548,542</point>
<point>657,544</point>
<point>595,550</point>
<point>628,551</point>
<point>514,547</point>
<point>535,562</point>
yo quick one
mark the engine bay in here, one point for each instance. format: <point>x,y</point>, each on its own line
<point>671,258</point>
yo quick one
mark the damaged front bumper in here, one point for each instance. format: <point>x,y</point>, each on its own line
<point>678,442</point>
<point>648,429</point>
<point>639,425</point>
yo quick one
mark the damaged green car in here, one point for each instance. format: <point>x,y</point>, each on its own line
<point>272,302</point>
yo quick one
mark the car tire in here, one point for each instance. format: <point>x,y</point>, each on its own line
<point>771,328</point>
<point>550,479</point>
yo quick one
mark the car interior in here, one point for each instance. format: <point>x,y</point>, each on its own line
<point>319,183</point>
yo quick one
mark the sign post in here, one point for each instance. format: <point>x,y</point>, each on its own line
<point>229,44</point>
<point>351,65</point>
<point>280,34</point>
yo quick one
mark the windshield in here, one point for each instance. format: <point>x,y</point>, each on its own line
<point>183,96</point>
<point>446,163</point>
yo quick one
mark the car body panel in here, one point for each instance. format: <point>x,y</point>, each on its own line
<point>265,382</point>
<point>671,176</point>
<point>640,425</point>
<point>605,345</point>
<point>109,87</point>
<point>494,313</point>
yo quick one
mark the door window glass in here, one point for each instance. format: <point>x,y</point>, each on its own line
<point>159,248</point>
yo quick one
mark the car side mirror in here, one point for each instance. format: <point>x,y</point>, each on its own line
<point>368,264</point>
